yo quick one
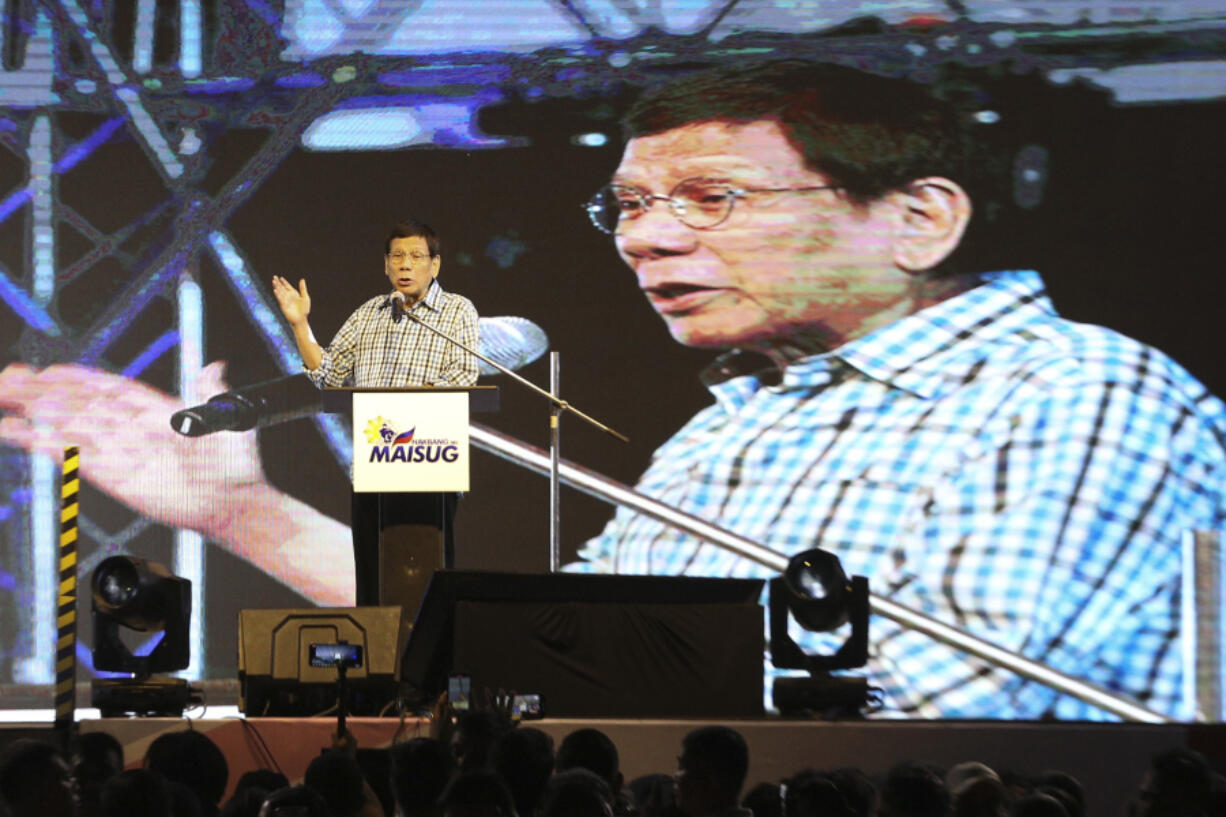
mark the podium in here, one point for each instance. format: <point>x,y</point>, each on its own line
<point>410,462</point>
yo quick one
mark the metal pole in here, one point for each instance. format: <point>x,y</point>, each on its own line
<point>1201,624</point>
<point>555,450</point>
<point>190,551</point>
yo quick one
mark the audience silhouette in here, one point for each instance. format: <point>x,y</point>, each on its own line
<point>500,770</point>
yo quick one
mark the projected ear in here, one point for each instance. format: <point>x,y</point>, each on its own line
<point>935,212</point>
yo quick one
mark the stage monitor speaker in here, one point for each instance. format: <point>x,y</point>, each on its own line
<point>595,646</point>
<point>275,677</point>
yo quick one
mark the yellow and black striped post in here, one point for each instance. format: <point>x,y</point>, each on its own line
<point>66,637</point>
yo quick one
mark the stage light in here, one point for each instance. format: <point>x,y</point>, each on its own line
<point>816,592</point>
<point>130,594</point>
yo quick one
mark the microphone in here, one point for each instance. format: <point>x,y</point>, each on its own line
<point>513,342</point>
<point>397,302</point>
<point>262,404</point>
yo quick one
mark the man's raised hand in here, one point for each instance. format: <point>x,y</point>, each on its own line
<point>295,303</point>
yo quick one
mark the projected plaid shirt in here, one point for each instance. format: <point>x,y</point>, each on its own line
<point>984,461</point>
<point>371,349</point>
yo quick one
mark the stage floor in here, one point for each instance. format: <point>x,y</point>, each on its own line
<point>1109,759</point>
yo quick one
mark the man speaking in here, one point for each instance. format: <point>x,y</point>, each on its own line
<point>379,347</point>
<point>937,427</point>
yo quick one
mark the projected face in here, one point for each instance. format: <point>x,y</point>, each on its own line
<point>410,268</point>
<point>784,266</point>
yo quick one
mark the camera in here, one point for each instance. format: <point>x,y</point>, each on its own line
<point>341,654</point>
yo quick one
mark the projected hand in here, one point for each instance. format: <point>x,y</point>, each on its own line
<point>213,484</point>
<point>128,449</point>
<point>295,303</point>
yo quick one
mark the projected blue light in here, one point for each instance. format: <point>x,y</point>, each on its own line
<point>21,303</point>
<point>32,84</point>
<point>304,79</point>
<point>276,339</point>
<point>220,85</point>
<point>190,45</point>
<point>380,129</point>
<point>391,122</point>
<point>1189,80</point>
<point>189,299</point>
<point>75,154</point>
<point>433,76</point>
<point>149,644</point>
<point>71,158</point>
<point>149,131</point>
<point>253,298</point>
<point>85,658</point>
<point>142,37</point>
<point>13,203</point>
<point>264,11</point>
<point>316,28</point>
<point>151,353</point>
<point>484,96</point>
<point>42,221</point>
<point>134,303</point>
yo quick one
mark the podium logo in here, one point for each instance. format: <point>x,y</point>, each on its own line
<point>389,445</point>
<point>380,430</point>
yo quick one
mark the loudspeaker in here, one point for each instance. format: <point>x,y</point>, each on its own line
<point>275,677</point>
<point>595,646</point>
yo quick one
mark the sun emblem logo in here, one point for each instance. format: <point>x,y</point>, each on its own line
<point>380,430</point>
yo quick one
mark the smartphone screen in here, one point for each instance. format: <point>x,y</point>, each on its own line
<point>459,689</point>
<point>336,655</point>
<point>527,707</point>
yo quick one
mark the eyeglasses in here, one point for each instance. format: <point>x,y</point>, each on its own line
<point>698,203</point>
<point>414,257</point>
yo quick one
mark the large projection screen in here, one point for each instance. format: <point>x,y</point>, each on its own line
<point>163,161</point>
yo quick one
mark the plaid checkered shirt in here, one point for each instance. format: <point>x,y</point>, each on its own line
<point>984,461</point>
<point>372,349</point>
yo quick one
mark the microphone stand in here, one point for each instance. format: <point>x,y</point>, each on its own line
<point>558,407</point>
<point>555,456</point>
